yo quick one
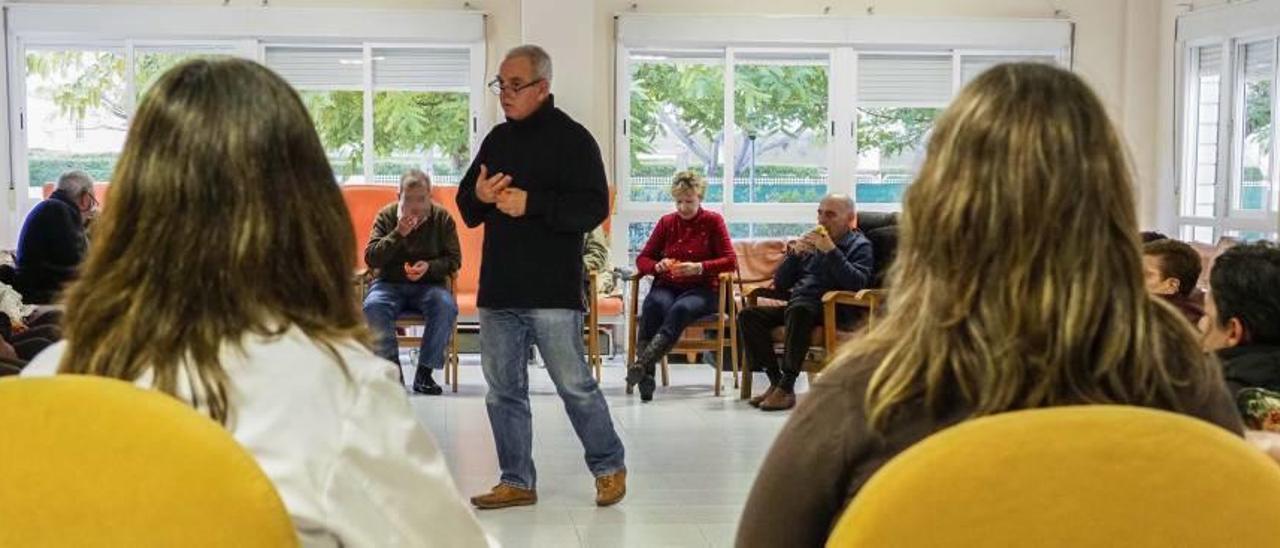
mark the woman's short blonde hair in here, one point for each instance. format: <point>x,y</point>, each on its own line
<point>688,181</point>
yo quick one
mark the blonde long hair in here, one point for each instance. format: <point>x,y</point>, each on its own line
<point>1018,281</point>
<point>224,221</point>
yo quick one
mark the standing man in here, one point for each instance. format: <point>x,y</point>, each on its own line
<point>414,248</point>
<point>538,186</point>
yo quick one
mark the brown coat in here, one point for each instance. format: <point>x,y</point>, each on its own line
<point>826,453</point>
<point>435,240</point>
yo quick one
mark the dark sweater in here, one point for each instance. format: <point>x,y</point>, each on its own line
<point>826,452</point>
<point>1251,366</point>
<point>50,248</point>
<point>808,276</point>
<point>434,240</point>
<point>535,261</point>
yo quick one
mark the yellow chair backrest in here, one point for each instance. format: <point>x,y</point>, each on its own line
<point>1079,476</point>
<point>88,461</point>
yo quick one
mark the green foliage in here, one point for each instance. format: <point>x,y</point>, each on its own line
<point>405,123</point>
<point>1257,113</point>
<point>776,103</point>
<point>45,166</point>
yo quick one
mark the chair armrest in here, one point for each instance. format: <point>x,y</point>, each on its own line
<point>767,293</point>
<point>754,280</point>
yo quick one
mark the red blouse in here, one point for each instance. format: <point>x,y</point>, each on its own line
<point>703,239</point>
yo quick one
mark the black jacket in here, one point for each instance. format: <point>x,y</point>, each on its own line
<point>535,261</point>
<point>1251,366</point>
<point>848,267</point>
<point>50,248</point>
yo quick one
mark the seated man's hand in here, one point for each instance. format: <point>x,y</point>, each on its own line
<point>819,241</point>
<point>416,271</point>
<point>682,270</point>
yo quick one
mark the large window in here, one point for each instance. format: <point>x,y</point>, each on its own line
<point>1228,151</point>
<point>899,97</point>
<point>76,113</point>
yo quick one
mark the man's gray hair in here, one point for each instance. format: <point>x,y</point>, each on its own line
<point>536,55</point>
<point>76,183</point>
<point>414,178</point>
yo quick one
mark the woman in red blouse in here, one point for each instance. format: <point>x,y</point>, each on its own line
<point>685,254</point>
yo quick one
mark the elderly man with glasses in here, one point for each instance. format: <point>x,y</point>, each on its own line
<point>538,186</point>
<point>52,242</point>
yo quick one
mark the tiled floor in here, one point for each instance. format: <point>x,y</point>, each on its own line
<point>691,458</point>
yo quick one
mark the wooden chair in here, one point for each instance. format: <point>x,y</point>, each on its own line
<point>597,308</point>
<point>723,325</point>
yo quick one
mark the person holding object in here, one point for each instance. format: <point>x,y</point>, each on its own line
<point>538,186</point>
<point>685,254</point>
<point>414,248</point>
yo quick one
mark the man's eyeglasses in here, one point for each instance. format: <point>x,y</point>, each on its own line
<point>497,86</point>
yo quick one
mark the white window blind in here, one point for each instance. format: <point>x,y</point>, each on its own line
<point>422,69</point>
<point>318,68</point>
<point>1210,61</point>
<point>899,79</point>
<point>973,65</point>
<point>1259,60</point>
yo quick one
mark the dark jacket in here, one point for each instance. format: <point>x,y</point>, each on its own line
<point>848,267</point>
<point>535,261</point>
<point>434,240</point>
<point>50,248</point>
<point>1251,366</point>
<point>826,452</point>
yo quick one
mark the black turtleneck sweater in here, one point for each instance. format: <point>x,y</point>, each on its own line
<point>535,261</point>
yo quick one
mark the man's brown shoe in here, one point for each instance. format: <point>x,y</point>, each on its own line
<point>755,400</point>
<point>504,496</point>
<point>611,488</point>
<point>778,400</point>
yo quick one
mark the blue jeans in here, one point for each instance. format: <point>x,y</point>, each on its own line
<point>504,335</point>
<point>668,310</point>
<point>386,301</point>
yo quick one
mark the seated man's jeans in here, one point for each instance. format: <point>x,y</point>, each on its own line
<point>387,301</point>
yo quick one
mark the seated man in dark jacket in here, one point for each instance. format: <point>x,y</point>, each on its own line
<point>1242,315</point>
<point>52,242</point>
<point>414,247</point>
<point>833,256</point>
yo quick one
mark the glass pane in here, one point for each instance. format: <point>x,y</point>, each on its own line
<point>676,123</point>
<point>76,113</point>
<point>891,146</point>
<point>1193,233</point>
<point>1255,186</point>
<point>1252,235</point>
<point>780,108</point>
<point>769,230</point>
<point>421,108</point>
<point>339,119</point>
<point>330,81</point>
<point>1200,180</point>
<point>637,235</point>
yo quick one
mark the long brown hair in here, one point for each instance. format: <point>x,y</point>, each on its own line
<point>1018,282</point>
<point>224,221</point>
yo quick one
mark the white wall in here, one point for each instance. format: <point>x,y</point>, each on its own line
<point>1122,49</point>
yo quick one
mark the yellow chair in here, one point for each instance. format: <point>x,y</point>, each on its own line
<point>88,461</point>
<point>1079,476</point>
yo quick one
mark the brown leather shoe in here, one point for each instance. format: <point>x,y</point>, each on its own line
<point>778,400</point>
<point>611,488</point>
<point>504,496</point>
<point>755,400</point>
